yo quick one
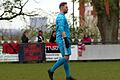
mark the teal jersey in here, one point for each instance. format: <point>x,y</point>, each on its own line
<point>62,26</point>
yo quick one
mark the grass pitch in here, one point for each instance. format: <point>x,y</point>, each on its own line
<point>90,70</point>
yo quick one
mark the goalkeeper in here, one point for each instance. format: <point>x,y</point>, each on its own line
<point>63,41</point>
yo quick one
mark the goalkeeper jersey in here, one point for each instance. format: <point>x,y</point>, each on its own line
<point>62,26</point>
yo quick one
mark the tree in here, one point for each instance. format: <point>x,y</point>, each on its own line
<point>10,9</point>
<point>107,12</point>
<point>108,19</point>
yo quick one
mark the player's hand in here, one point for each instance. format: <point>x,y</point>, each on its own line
<point>67,44</point>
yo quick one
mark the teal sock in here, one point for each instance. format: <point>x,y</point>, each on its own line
<point>58,64</point>
<point>67,70</point>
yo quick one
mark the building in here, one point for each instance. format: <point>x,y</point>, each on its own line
<point>39,23</point>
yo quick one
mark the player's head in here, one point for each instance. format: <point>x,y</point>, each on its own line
<point>40,32</point>
<point>63,7</point>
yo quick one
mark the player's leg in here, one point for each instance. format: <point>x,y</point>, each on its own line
<point>67,70</point>
<point>66,64</point>
<point>59,62</point>
<point>50,74</point>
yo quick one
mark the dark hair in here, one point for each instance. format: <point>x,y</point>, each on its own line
<point>40,31</point>
<point>53,32</point>
<point>25,32</point>
<point>62,4</point>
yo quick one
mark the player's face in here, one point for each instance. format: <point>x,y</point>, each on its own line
<point>40,33</point>
<point>65,9</point>
<point>54,33</point>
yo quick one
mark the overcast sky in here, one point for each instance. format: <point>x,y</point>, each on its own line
<point>47,5</point>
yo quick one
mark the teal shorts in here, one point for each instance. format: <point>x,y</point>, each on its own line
<point>63,50</point>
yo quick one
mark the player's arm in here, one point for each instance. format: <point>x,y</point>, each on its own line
<point>67,44</point>
<point>61,24</point>
<point>36,39</point>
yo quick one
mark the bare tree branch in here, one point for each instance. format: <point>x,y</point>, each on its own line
<point>9,10</point>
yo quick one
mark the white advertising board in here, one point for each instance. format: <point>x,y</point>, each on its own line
<point>56,56</point>
<point>9,57</point>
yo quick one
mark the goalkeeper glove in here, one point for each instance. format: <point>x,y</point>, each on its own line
<point>67,44</point>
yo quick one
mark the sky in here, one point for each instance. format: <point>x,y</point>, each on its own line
<point>46,5</point>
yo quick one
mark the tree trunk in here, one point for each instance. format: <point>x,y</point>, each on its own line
<point>108,24</point>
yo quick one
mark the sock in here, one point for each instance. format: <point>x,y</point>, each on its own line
<point>58,64</point>
<point>67,70</point>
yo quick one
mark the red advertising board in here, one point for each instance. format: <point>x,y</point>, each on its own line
<point>10,48</point>
<point>33,51</point>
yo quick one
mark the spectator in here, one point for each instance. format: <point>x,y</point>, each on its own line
<point>76,40</point>
<point>86,40</point>
<point>81,48</point>
<point>24,37</point>
<point>25,40</point>
<point>40,37</point>
<point>53,37</point>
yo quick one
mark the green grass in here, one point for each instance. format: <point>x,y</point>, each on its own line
<point>90,70</point>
